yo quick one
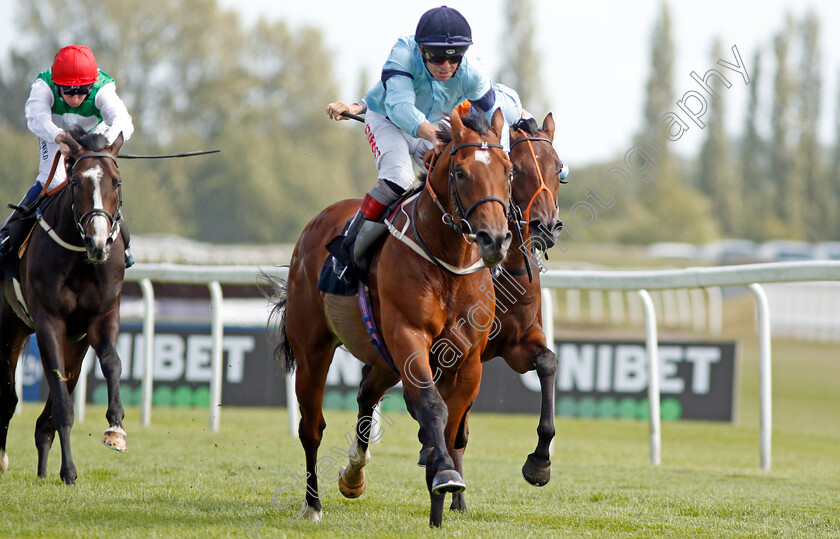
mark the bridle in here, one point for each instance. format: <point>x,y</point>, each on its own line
<point>462,224</point>
<point>517,208</point>
<point>82,220</point>
<point>517,216</point>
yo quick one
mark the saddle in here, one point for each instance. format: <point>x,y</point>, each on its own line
<point>358,257</point>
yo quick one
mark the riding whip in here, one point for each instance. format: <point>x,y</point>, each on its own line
<point>184,154</point>
<point>353,116</point>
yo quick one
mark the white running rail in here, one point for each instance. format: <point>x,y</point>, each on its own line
<point>641,281</point>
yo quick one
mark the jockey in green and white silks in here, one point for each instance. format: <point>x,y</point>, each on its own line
<point>47,115</point>
<point>72,93</point>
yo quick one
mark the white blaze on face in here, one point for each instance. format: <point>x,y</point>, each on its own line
<point>100,222</point>
<point>482,156</point>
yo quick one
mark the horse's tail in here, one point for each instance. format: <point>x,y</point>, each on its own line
<point>274,289</point>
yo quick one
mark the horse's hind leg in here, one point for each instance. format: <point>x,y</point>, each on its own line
<point>103,338</point>
<point>310,379</point>
<point>375,382</point>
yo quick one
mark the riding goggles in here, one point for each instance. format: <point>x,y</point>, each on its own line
<point>75,90</point>
<point>439,55</point>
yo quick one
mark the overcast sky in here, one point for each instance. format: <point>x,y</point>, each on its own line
<point>595,54</point>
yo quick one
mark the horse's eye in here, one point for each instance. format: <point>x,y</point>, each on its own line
<point>460,175</point>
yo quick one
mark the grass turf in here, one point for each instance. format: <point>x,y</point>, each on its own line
<point>180,480</point>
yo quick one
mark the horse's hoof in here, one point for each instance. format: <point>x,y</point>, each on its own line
<point>348,490</point>
<point>458,504</point>
<point>114,438</point>
<point>425,453</point>
<point>4,461</point>
<point>310,513</point>
<point>448,481</point>
<point>69,478</point>
<point>534,473</point>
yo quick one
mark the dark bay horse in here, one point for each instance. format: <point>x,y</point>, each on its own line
<point>417,302</point>
<point>71,276</point>
<point>519,339</point>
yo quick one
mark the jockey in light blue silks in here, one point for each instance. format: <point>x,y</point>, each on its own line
<point>424,78</point>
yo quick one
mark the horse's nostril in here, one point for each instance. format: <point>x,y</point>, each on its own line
<point>507,240</point>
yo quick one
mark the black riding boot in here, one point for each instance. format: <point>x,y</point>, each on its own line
<point>23,210</point>
<point>364,228</point>
<point>340,267</point>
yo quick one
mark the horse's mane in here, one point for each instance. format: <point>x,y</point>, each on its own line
<point>89,141</point>
<point>528,125</point>
<point>476,122</point>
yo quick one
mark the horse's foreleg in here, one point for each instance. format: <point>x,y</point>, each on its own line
<point>459,502</point>
<point>430,411</point>
<point>375,382</point>
<point>103,338</point>
<point>8,394</point>
<point>51,337</point>
<point>459,399</point>
<point>534,355</point>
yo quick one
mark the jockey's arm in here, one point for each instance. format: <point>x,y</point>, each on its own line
<point>114,113</point>
<point>38,110</point>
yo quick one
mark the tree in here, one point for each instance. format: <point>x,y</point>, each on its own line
<point>756,194</point>
<point>816,191</point>
<point>193,76</point>
<point>785,219</point>
<point>832,225</point>
<point>520,59</point>
<point>664,208</point>
<point>715,177</point>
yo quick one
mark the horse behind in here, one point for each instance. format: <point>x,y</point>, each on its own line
<point>417,303</point>
<point>520,339</point>
<point>71,276</point>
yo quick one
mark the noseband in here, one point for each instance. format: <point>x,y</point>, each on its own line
<point>82,220</point>
<point>462,224</point>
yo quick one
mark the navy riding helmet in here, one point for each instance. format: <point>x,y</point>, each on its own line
<point>444,31</point>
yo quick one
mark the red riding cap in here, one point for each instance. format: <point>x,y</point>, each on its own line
<point>74,65</point>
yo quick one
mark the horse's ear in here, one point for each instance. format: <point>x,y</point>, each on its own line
<point>75,147</point>
<point>498,122</point>
<point>456,124</point>
<point>117,144</point>
<point>548,126</point>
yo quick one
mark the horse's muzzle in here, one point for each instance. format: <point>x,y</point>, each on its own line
<point>545,234</point>
<point>98,252</point>
<point>493,246</point>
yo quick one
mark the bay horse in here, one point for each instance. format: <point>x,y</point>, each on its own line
<point>416,302</point>
<point>71,277</point>
<point>520,339</point>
